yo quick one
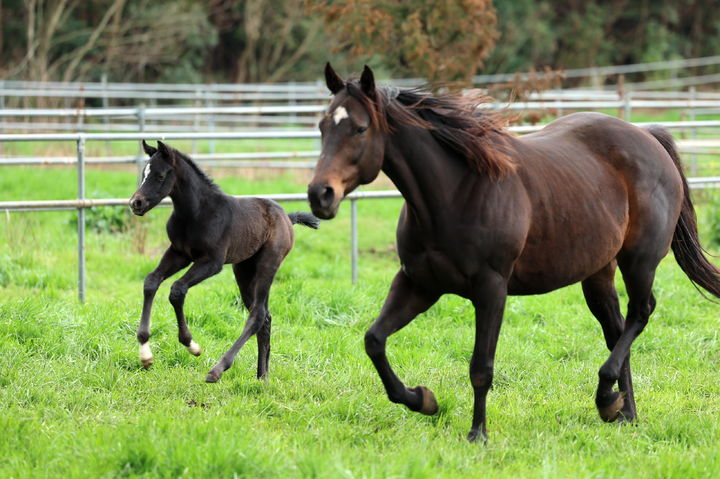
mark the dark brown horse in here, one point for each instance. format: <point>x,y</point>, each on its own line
<point>488,214</point>
<point>209,229</point>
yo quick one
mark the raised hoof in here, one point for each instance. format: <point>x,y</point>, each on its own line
<point>429,404</point>
<point>194,349</point>
<point>212,377</point>
<point>611,410</point>
<point>474,435</point>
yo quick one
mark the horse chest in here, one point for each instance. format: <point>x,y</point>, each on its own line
<point>433,263</point>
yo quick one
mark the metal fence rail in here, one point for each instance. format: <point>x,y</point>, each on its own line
<point>82,203</point>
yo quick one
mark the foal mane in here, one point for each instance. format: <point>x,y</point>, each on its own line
<point>200,173</point>
<point>455,120</point>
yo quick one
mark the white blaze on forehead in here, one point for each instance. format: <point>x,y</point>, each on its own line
<point>339,114</point>
<point>146,172</point>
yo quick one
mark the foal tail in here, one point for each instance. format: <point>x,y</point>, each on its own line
<point>305,219</point>
<point>686,243</point>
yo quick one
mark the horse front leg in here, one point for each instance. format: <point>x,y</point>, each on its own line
<point>403,303</point>
<point>171,262</point>
<point>489,307</point>
<point>199,271</point>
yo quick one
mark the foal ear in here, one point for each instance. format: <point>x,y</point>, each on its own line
<point>150,150</point>
<point>367,82</point>
<point>166,153</point>
<point>333,80</point>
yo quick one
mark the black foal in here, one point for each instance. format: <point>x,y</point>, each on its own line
<point>209,229</point>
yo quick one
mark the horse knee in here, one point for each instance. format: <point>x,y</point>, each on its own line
<point>374,343</point>
<point>151,284</point>
<point>177,294</point>
<point>481,377</point>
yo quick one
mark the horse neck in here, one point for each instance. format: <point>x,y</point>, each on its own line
<point>428,176</point>
<point>189,192</point>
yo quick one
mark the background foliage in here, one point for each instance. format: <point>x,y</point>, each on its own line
<point>272,40</point>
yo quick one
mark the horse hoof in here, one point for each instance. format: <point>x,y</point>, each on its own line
<point>611,411</point>
<point>194,348</point>
<point>212,377</point>
<point>146,357</point>
<point>475,434</point>
<point>429,404</point>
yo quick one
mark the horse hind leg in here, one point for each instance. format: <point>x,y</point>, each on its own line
<point>602,300</point>
<point>244,273</point>
<point>638,274</point>
<point>267,262</point>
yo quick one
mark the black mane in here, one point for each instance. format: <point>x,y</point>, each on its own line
<point>200,173</point>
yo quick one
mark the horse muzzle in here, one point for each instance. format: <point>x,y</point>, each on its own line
<point>323,200</point>
<point>139,205</point>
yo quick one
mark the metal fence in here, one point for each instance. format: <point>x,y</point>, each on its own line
<point>239,117</point>
<point>81,202</point>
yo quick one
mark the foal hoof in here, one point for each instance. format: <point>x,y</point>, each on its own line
<point>611,406</point>
<point>212,377</point>
<point>429,404</point>
<point>194,348</point>
<point>146,357</point>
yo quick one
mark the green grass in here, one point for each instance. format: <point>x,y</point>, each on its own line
<point>75,402</point>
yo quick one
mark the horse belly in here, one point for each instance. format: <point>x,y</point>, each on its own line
<point>549,265</point>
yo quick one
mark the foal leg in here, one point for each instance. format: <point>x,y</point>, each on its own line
<point>602,299</point>
<point>403,303</point>
<point>171,262</point>
<point>199,271</point>
<point>267,262</point>
<point>638,274</point>
<point>244,273</point>
<point>489,307</point>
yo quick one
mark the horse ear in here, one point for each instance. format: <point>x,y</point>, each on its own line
<point>367,82</point>
<point>166,153</point>
<point>148,149</point>
<point>333,80</point>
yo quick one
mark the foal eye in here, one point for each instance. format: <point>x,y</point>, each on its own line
<point>361,129</point>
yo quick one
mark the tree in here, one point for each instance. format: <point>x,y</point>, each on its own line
<point>441,41</point>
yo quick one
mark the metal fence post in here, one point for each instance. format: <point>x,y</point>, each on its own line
<point>627,105</point>
<point>141,128</point>
<point>693,132</point>
<point>81,218</point>
<point>354,240</point>
<point>211,122</point>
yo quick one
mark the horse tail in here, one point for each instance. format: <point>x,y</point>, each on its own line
<point>303,218</point>
<point>686,242</point>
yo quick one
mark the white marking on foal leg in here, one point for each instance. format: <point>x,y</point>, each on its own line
<point>146,172</point>
<point>340,114</point>
<point>194,348</point>
<point>146,356</point>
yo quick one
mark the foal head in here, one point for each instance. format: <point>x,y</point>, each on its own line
<point>159,178</point>
<point>353,142</point>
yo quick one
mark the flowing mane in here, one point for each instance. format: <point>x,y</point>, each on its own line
<point>456,121</point>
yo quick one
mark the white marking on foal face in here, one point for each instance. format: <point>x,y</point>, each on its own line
<point>146,172</point>
<point>340,114</point>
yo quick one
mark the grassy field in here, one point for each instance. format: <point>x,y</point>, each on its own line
<point>75,402</point>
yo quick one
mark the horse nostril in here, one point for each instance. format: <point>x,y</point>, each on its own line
<point>136,203</point>
<point>327,196</point>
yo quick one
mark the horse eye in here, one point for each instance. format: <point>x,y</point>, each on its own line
<point>361,129</point>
